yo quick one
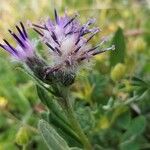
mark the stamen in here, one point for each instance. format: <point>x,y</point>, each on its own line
<point>23,28</point>
<point>92,35</point>
<point>58,51</point>
<point>53,49</point>
<point>22,35</point>
<point>82,58</point>
<point>38,26</point>
<point>71,32</point>
<point>85,42</point>
<point>77,49</point>
<point>68,62</point>
<point>104,40</point>
<point>3,46</point>
<point>8,49</point>
<point>104,50</point>
<point>55,37</point>
<point>80,34</point>
<point>56,16</point>
<point>78,39</point>
<point>93,48</point>
<point>85,26</point>
<point>91,21</point>
<point>38,32</point>
<point>71,20</point>
<point>13,49</point>
<point>98,52</point>
<point>85,32</point>
<point>17,39</point>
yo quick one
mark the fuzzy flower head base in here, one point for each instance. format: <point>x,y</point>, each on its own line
<point>69,41</point>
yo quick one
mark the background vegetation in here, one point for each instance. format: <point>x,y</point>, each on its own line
<point>112,99</point>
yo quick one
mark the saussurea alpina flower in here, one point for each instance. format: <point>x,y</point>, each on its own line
<point>70,48</point>
<point>24,48</point>
<point>69,44</point>
<point>24,51</point>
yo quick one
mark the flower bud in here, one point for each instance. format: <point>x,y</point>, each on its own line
<point>128,86</point>
<point>3,103</point>
<point>23,136</point>
<point>139,45</point>
<point>126,13</point>
<point>103,123</point>
<point>101,58</point>
<point>50,75</point>
<point>118,72</point>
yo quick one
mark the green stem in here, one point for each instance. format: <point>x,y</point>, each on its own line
<point>76,126</point>
<point>24,147</point>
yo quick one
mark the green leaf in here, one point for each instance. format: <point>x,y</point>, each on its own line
<point>50,103</point>
<point>53,140</point>
<point>75,148</point>
<point>136,127</point>
<point>37,81</point>
<point>119,54</point>
<point>56,116</point>
<point>85,117</point>
<point>130,144</point>
<point>124,120</point>
<point>46,99</point>
<point>65,130</point>
<point>99,82</point>
<point>138,82</point>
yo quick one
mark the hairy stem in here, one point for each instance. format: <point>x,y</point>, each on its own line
<point>24,147</point>
<point>76,126</point>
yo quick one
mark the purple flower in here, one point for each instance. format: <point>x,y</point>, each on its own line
<point>69,44</point>
<point>24,48</point>
<point>69,41</point>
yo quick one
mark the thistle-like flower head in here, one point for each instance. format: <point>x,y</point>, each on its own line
<point>68,41</point>
<point>24,48</point>
<point>69,44</point>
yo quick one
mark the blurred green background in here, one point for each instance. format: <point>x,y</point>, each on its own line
<point>127,22</point>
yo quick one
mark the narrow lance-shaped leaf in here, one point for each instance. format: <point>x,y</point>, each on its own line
<point>65,130</point>
<point>53,140</point>
<point>50,103</point>
<point>56,116</point>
